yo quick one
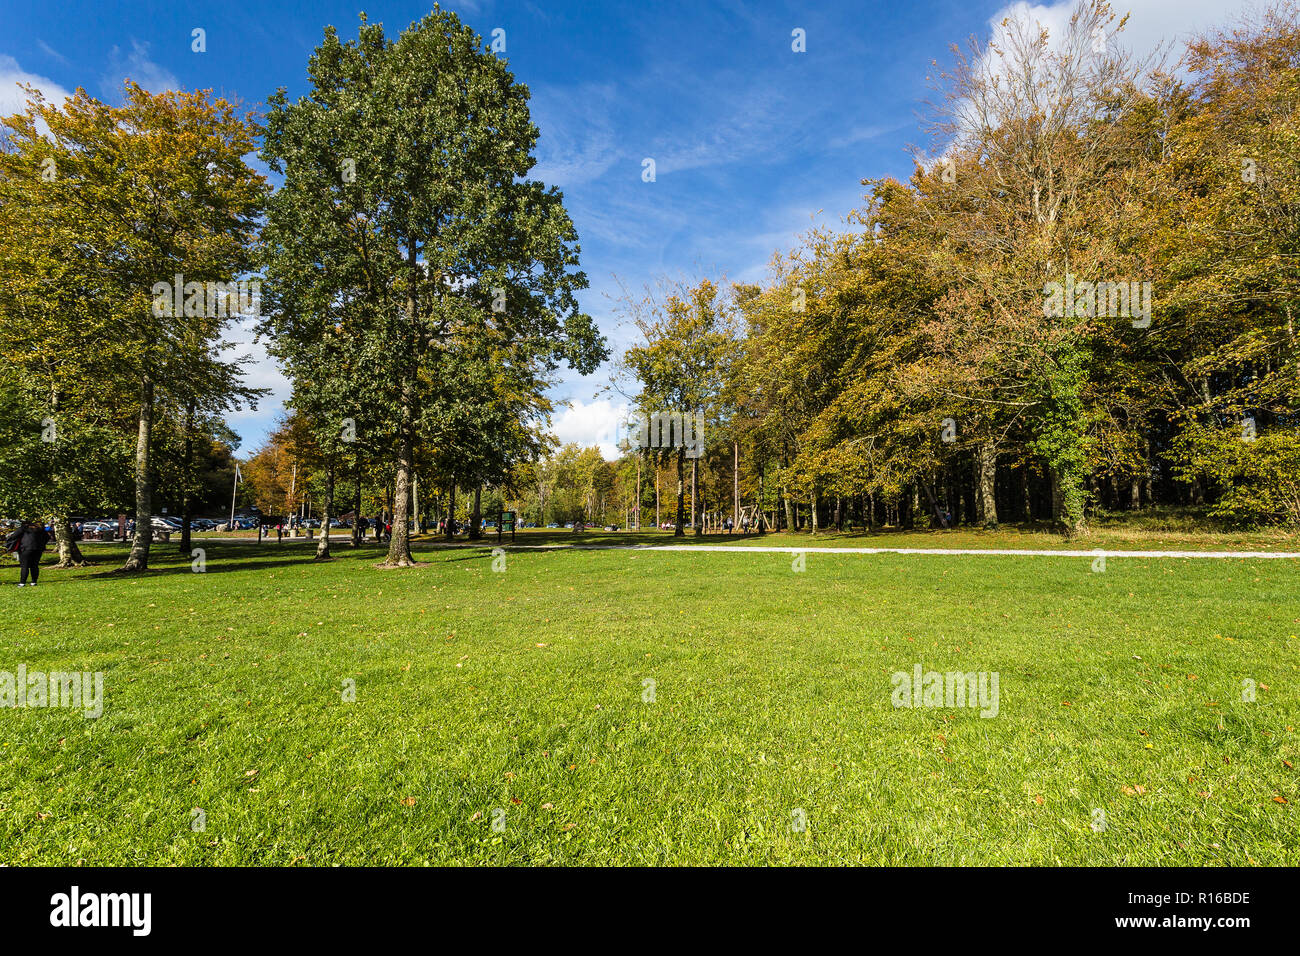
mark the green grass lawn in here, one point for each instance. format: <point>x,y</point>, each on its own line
<point>519,697</point>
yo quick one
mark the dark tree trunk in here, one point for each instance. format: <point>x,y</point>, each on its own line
<point>356,507</point>
<point>476,519</point>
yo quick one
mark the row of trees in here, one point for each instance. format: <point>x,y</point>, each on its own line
<point>1086,301</point>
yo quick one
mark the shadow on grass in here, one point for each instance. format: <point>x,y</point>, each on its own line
<point>226,558</point>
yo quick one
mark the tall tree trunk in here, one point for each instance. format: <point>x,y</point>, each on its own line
<point>1067,501</point>
<point>697,501</point>
<point>812,511</point>
<point>187,498</point>
<point>476,519</point>
<point>138,559</point>
<point>451,512</point>
<point>679,530</point>
<point>988,469</point>
<point>327,513</point>
<point>735,485</point>
<point>356,507</point>
<point>399,546</point>
<point>789,509</point>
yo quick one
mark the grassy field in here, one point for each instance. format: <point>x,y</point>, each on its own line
<point>505,718</point>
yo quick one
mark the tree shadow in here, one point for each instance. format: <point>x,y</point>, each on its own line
<point>232,558</point>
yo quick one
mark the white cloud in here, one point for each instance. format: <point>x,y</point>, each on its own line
<point>12,98</point>
<point>136,66</point>
<point>598,422</point>
<point>1151,25</point>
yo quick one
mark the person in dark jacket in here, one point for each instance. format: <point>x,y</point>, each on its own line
<point>31,540</point>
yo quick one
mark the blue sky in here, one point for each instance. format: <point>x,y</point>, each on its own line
<point>753,143</point>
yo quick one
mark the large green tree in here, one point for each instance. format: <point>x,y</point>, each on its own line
<point>407,166</point>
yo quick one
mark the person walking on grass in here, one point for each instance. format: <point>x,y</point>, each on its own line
<point>29,541</point>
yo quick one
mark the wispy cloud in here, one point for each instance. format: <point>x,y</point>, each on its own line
<point>577,143</point>
<point>52,53</point>
<point>134,65</point>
